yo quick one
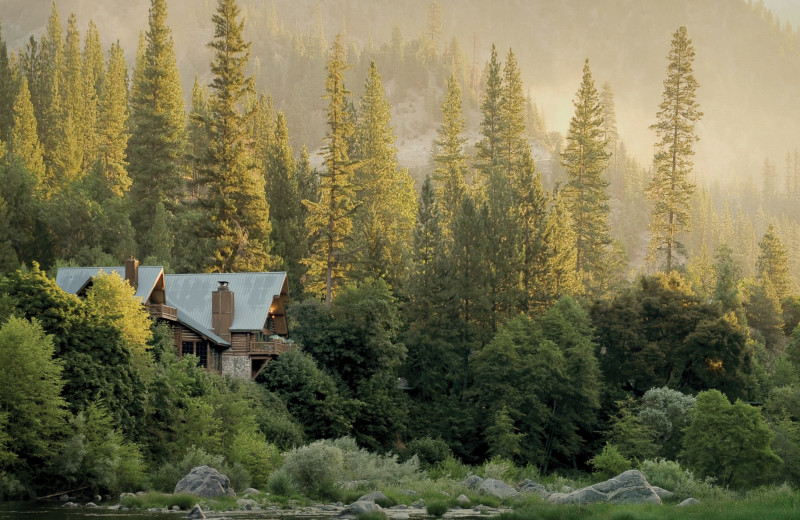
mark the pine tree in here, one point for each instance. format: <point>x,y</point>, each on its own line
<point>7,90</point>
<point>112,124</point>
<point>531,208</point>
<point>330,218</point>
<point>288,233</point>
<point>558,277</point>
<point>197,134</point>
<point>24,145</point>
<point>424,283</point>
<point>611,137</point>
<point>511,132</point>
<point>383,223</point>
<point>235,201</point>
<point>585,160</point>
<point>449,176</point>
<point>69,139</point>
<point>670,187</point>
<point>773,263</point>
<point>44,78</point>
<point>157,121</point>
<point>488,148</point>
<point>93,79</point>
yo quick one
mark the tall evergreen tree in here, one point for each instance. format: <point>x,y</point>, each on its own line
<point>24,145</point>
<point>773,263</point>
<point>112,124</point>
<point>585,160</point>
<point>157,124</point>
<point>234,201</point>
<point>44,78</point>
<point>670,187</point>
<point>71,139</point>
<point>488,148</point>
<point>197,134</point>
<point>386,200</point>
<point>511,132</point>
<point>611,136</point>
<point>7,90</point>
<point>330,218</point>
<point>428,251</point>
<point>450,174</point>
<point>93,78</point>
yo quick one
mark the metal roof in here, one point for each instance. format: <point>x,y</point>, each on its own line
<point>189,322</point>
<point>253,295</point>
<point>75,279</point>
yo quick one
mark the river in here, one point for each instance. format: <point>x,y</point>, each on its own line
<point>53,511</point>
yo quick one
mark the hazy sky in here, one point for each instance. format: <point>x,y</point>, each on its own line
<point>785,9</point>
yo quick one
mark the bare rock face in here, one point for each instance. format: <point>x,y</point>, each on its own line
<point>196,513</point>
<point>360,507</point>
<point>530,487</point>
<point>497,488</point>
<point>472,482</point>
<point>689,502</point>
<point>629,487</point>
<point>375,496</point>
<point>205,482</point>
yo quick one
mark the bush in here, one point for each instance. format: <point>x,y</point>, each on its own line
<point>281,484</point>
<point>256,455</point>
<point>429,451</point>
<point>360,464</point>
<point>315,469</point>
<point>159,500</point>
<point>437,509</point>
<point>500,469</point>
<point>609,463</point>
<point>169,474</point>
<point>451,467</point>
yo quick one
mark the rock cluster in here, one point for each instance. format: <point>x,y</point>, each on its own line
<point>205,482</point>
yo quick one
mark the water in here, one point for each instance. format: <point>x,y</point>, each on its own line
<point>56,511</point>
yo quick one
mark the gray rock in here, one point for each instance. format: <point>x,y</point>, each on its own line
<point>462,499</point>
<point>176,507</point>
<point>497,488</point>
<point>353,484</point>
<point>629,487</point>
<point>530,487</point>
<point>472,482</point>
<point>71,505</point>
<point>123,495</point>
<point>247,503</point>
<point>399,506</point>
<point>689,502</point>
<point>360,507</point>
<point>251,491</point>
<point>375,496</point>
<point>64,498</point>
<point>115,507</point>
<point>662,493</point>
<point>196,513</point>
<point>398,516</point>
<point>97,498</point>
<point>205,482</point>
<point>90,505</point>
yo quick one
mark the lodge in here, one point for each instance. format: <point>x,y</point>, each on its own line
<point>235,323</point>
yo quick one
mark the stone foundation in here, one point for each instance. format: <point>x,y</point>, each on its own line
<point>236,366</point>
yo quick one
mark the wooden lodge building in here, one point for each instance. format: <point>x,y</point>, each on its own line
<point>235,323</point>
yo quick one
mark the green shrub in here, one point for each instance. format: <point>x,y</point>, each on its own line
<point>257,456</point>
<point>360,464</point>
<point>609,463</point>
<point>499,468</point>
<point>437,509</point>
<point>429,451</point>
<point>315,469</point>
<point>159,500</point>
<point>280,484</point>
<point>451,467</point>
<point>167,475</point>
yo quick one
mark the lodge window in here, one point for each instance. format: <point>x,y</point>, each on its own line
<point>197,348</point>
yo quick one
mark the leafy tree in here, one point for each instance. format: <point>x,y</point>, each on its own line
<point>502,437</point>
<point>383,223</point>
<point>114,298</point>
<point>310,394</point>
<point>330,218</point>
<point>730,442</point>
<point>670,187</point>
<point>157,127</point>
<point>585,159</point>
<point>31,405</point>
<point>668,412</point>
<point>234,201</point>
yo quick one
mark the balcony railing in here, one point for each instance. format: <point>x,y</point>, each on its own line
<point>165,312</point>
<point>271,348</point>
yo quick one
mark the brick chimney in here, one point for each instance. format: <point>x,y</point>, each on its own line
<point>222,310</point>
<point>132,272</point>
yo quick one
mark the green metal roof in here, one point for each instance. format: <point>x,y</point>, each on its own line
<point>253,296</point>
<point>74,279</point>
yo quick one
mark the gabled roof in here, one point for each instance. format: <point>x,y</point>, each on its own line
<point>253,296</point>
<point>75,279</point>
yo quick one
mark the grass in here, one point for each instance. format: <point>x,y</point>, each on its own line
<point>771,507</point>
<point>165,500</point>
<point>437,509</point>
<point>375,515</point>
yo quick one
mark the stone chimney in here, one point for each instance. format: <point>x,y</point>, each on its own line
<point>132,272</point>
<point>222,310</point>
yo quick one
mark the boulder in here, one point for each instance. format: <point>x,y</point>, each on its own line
<point>251,491</point>
<point>90,505</point>
<point>530,487</point>
<point>71,505</point>
<point>462,499</point>
<point>472,482</point>
<point>689,502</point>
<point>247,503</point>
<point>64,498</point>
<point>97,498</point>
<point>398,516</point>
<point>205,482</point>
<point>497,488</point>
<point>629,487</point>
<point>375,496</point>
<point>360,507</point>
<point>663,494</point>
<point>196,513</point>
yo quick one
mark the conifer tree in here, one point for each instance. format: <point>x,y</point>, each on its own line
<point>234,201</point>
<point>383,223</point>
<point>611,137</point>
<point>449,176</point>
<point>157,126</point>
<point>488,148</point>
<point>558,277</point>
<point>512,140</point>
<point>93,78</point>
<point>773,263</point>
<point>424,280</point>
<point>44,77</point>
<point>330,218</point>
<point>531,208</point>
<point>24,145</point>
<point>585,159</point>
<point>69,138</point>
<point>7,90</point>
<point>197,134</point>
<point>283,197</point>
<point>670,188</point>
<point>112,124</point>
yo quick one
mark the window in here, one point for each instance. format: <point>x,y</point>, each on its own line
<point>197,349</point>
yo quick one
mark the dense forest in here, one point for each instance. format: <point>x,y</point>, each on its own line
<point>514,293</point>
